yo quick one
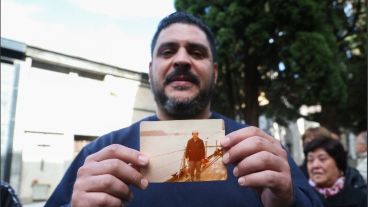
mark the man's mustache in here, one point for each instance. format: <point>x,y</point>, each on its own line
<point>181,75</point>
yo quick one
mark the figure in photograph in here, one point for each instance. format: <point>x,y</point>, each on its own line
<point>195,154</point>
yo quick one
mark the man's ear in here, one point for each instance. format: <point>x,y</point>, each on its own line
<point>149,71</point>
<point>150,66</point>
<point>215,70</point>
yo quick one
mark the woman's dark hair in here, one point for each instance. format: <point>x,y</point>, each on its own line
<point>333,147</point>
<point>185,18</point>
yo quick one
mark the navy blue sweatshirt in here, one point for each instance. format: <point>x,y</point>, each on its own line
<point>194,194</point>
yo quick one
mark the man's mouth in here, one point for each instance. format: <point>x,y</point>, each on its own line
<point>181,78</point>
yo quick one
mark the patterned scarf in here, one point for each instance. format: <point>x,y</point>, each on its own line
<point>330,191</point>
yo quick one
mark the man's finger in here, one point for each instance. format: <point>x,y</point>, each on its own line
<point>106,183</point>
<point>123,171</point>
<point>251,146</point>
<point>276,181</point>
<point>244,133</point>
<point>117,151</point>
<point>95,199</point>
<point>260,162</point>
<point>276,186</point>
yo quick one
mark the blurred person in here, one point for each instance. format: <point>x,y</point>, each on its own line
<point>352,175</point>
<point>183,73</point>
<point>326,164</point>
<point>195,153</point>
<point>314,132</point>
<point>361,151</point>
<point>8,196</point>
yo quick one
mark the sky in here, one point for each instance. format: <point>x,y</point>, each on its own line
<point>114,32</point>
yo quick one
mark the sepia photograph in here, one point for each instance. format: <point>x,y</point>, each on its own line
<point>183,150</point>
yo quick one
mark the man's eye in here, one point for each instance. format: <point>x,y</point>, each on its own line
<point>197,54</point>
<point>167,52</point>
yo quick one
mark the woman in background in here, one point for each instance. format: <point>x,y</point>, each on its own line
<point>352,175</point>
<point>326,162</point>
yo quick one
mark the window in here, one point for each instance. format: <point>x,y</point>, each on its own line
<point>80,141</point>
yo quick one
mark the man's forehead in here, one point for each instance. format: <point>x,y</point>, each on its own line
<point>180,32</point>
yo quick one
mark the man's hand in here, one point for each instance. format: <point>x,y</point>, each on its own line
<point>260,163</point>
<point>105,176</point>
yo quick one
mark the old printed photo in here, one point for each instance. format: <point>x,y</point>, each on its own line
<point>183,150</point>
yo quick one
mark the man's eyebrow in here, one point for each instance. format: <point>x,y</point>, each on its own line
<point>167,44</point>
<point>194,45</point>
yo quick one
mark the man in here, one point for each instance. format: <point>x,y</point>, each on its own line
<point>195,153</point>
<point>361,150</point>
<point>182,74</point>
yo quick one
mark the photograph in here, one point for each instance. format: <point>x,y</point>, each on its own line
<point>183,150</point>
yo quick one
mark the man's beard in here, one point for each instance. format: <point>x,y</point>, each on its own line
<point>187,108</point>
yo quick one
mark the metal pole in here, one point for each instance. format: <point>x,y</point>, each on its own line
<point>9,147</point>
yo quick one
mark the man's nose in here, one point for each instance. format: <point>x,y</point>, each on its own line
<point>182,59</point>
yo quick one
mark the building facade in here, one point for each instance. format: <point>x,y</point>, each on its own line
<point>52,104</point>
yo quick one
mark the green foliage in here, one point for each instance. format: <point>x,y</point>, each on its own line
<point>293,51</point>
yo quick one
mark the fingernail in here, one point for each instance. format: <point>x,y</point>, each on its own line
<point>235,172</point>
<point>241,181</point>
<point>144,183</point>
<point>225,158</point>
<point>225,141</point>
<point>143,160</point>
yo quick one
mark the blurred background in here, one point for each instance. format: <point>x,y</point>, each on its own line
<point>73,70</point>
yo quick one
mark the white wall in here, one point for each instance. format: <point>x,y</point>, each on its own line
<point>54,106</point>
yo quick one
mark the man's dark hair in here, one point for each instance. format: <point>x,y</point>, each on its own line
<point>185,18</point>
<point>333,147</point>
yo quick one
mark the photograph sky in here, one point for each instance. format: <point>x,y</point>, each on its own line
<point>114,32</point>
